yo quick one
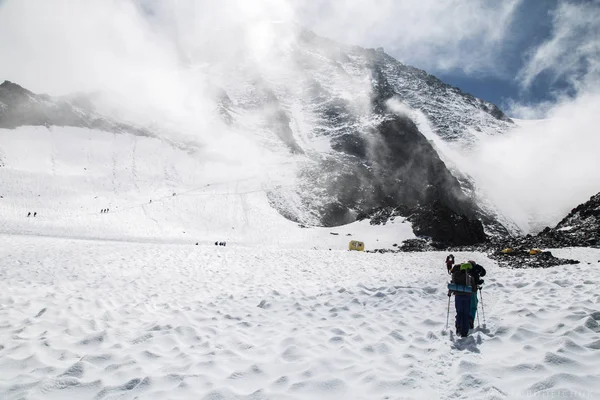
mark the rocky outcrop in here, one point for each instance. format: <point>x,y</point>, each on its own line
<point>521,258</point>
<point>580,228</point>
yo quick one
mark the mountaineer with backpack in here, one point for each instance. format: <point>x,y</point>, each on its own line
<point>464,285</point>
<point>477,271</point>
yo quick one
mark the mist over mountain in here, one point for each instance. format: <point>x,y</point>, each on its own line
<point>343,114</point>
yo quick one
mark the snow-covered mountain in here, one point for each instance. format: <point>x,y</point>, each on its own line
<point>343,118</point>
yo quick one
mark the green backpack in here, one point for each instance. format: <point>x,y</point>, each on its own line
<point>460,274</point>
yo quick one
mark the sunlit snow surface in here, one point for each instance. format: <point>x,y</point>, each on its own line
<point>93,319</point>
<point>124,305</point>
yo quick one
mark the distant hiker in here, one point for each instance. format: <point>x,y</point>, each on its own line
<point>449,262</point>
<point>216,243</point>
<point>29,214</point>
<point>108,209</point>
<point>35,214</point>
<point>150,201</point>
<point>174,194</point>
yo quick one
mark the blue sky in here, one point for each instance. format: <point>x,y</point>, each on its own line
<point>531,26</point>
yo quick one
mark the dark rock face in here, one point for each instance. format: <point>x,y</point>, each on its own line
<point>410,180</point>
<point>404,177</point>
<point>445,226</point>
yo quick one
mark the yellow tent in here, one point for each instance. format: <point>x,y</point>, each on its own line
<point>356,245</point>
<point>535,251</point>
<point>507,250</point>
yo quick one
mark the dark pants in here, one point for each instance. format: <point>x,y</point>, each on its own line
<point>463,311</point>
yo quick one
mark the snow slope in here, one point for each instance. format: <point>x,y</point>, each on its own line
<point>106,320</point>
<point>67,175</point>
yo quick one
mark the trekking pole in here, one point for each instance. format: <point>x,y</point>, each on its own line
<point>478,322</point>
<point>448,314</point>
<point>482,307</point>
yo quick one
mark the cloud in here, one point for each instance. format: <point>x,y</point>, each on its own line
<point>145,61</point>
<point>573,50</point>
<point>63,45</point>
<point>540,170</point>
<point>432,34</point>
<point>148,61</point>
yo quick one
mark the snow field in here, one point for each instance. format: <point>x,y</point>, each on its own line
<point>67,175</point>
<point>106,320</point>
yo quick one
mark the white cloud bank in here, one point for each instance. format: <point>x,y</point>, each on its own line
<point>432,34</point>
<point>65,45</point>
<point>541,170</point>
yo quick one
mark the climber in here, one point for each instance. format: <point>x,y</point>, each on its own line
<point>449,262</point>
